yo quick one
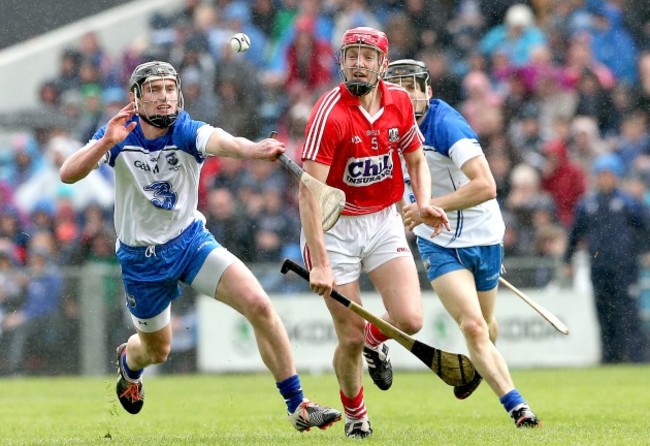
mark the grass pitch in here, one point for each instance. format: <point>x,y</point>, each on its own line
<point>597,406</point>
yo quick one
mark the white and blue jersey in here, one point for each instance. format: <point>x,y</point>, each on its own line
<point>449,143</point>
<point>162,236</point>
<point>156,181</point>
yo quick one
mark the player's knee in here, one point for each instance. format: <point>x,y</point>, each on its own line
<point>411,324</point>
<point>351,341</point>
<point>159,354</point>
<point>260,310</point>
<point>474,328</point>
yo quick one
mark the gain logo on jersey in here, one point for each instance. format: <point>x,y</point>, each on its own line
<point>142,166</point>
<point>365,171</point>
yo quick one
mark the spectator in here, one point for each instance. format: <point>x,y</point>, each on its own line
<point>555,102</point>
<point>579,57</point>
<point>526,203</point>
<point>550,243</point>
<point>11,280</point>
<point>525,135</point>
<point>226,221</point>
<point>402,45</point>
<point>613,45</point>
<point>593,100</point>
<point>482,106</point>
<point>68,76</point>
<point>92,52</point>
<point>230,175</point>
<point>585,141</point>
<point>352,14</point>
<point>634,140</point>
<point>200,100</point>
<point>309,61</point>
<point>563,179</point>
<point>26,158</point>
<point>14,231</point>
<point>36,319</point>
<point>445,84</point>
<point>641,90</point>
<point>49,96</point>
<point>606,212</point>
<point>263,16</point>
<point>517,36</point>
<point>428,29</point>
<point>91,110</point>
<point>500,164</point>
<point>275,229</point>
<point>45,183</point>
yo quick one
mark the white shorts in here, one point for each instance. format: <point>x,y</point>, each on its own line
<point>362,243</point>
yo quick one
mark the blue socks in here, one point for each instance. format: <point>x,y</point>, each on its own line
<point>131,374</point>
<point>291,391</point>
<point>511,400</point>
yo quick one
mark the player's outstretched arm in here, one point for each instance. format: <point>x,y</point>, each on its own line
<point>78,165</point>
<point>222,143</point>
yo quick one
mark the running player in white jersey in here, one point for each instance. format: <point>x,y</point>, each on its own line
<point>354,136</point>
<point>464,264</point>
<point>157,151</point>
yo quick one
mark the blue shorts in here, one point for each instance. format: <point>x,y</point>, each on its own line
<point>484,262</point>
<point>151,274</point>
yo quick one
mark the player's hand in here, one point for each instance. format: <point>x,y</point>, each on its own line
<point>269,148</point>
<point>435,217</point>
<point>116,128</point>
<point>321,280</point>
<point>410,216</point>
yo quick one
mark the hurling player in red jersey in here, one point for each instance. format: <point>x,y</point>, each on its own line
<point>354,137</point>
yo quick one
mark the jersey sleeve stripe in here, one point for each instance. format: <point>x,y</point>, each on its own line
<point>407,139</point>
<point>312,141</point>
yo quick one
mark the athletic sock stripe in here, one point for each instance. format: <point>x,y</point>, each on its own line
<point>357,412</point>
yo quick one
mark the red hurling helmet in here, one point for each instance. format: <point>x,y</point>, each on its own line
<point>366,36</point>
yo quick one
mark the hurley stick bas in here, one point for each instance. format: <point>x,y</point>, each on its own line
<point>454,369</point>
<point>330,200</point>
<point>547,315</point>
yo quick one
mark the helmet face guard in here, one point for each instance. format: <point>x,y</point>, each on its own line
<point>140,84</point>
<point>410,73</point>
<point>359,39</point>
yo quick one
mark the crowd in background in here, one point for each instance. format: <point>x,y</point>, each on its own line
<point>548,85</point>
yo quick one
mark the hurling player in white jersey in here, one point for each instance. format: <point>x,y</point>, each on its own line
<point>354,136</point>
<point>156,150</point>
<point>464,264</point>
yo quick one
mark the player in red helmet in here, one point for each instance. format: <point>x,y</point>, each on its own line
<point>354,138</point>
<point>357,47</point>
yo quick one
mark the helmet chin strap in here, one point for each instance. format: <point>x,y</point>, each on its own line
<point>159,121</point>
<point>359,88</point>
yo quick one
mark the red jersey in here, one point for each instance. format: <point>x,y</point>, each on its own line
<point>362,150</point>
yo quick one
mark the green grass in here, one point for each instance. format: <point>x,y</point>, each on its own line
<point>598,406</point>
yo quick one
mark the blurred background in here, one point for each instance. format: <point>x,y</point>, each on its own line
<point>548,85</point>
